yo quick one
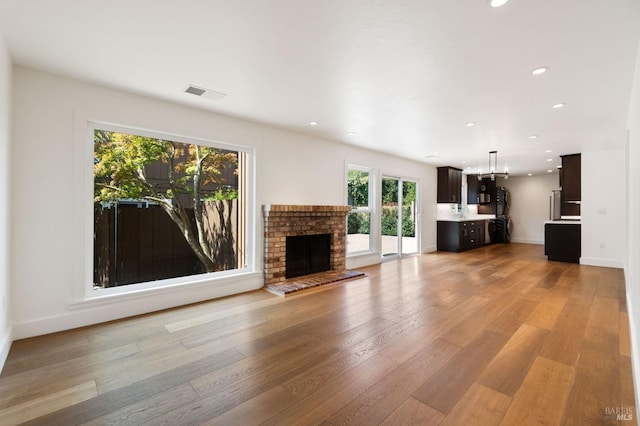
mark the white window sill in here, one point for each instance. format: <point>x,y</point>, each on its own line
<point>190,286</point>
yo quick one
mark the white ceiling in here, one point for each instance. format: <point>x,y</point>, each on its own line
<point>404,75</point>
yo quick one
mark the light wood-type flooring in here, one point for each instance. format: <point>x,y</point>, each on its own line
<point>496,335</point>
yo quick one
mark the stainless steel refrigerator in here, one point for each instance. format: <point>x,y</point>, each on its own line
<point>554,205</point>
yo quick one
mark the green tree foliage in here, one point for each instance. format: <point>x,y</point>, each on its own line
<point>390,222</point>
<point>193,174</point>
<point>358,188</point>
<point>408,193</point>
<point>358,223</point>
<point>389,192</point>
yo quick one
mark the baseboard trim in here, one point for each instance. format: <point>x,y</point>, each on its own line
<point>527,241</point>
<point>635,360</point>
<point>5,347</point>
<point>607,263</point>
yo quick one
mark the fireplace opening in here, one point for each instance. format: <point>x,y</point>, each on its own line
<point>307,254</point>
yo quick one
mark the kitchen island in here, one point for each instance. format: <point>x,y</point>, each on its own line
<point>562,240</point>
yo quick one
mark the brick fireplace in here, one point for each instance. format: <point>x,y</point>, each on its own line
<point>282,221</point>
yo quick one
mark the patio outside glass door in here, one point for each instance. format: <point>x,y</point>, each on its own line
<point>399,215</point>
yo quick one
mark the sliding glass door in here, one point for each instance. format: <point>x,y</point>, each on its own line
<point>399,214</point>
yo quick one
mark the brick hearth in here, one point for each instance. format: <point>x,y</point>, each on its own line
<point>282,221</point>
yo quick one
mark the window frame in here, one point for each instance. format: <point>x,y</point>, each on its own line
<point>89,293</point>
<point>370,209</point>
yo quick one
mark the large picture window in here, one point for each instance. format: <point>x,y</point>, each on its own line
<point>165,208</point>
<point>359,197</point>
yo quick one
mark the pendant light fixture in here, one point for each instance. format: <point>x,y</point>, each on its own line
<point>493,166</point>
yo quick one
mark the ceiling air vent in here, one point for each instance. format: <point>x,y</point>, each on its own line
<point>205,93</point>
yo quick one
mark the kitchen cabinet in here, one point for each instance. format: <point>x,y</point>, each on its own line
<point>473,187</point>
<point>487,196</point>
<point>460,236</point>
<point>481,192</point>
<point>562,242</point>
<point>449,185</point>
<point>476,233</point>
<point>570,183</point>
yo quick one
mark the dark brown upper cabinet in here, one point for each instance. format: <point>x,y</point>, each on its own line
<point>570,183</point>
<point>473,187</point>
<point>487,196</point>
<point>481,192</point>
<point>449,185</point>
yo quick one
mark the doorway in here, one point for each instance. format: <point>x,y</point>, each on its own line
<point>399,214</point>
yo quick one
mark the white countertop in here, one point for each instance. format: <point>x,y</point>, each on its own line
<point>563,222</point>
<point>467,218</point>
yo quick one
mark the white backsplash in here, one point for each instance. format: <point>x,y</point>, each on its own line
<point>459,211</point>
<point>455,211</point>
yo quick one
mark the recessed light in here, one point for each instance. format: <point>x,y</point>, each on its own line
<point>351,133</point>
<point>313,123</point>
<point>560,105</point>
<point>549,159</point>
<point>529,174</point>
<point>497,3</point>
<point>471,124</point>
<point>549,171</point>
<point>540,70</point>
<point>548,151</point>
<point>533,137</point>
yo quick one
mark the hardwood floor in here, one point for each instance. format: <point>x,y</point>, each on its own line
<point>496,335</point>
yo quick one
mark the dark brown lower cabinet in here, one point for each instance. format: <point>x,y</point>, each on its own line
<point>562,242</point>
<point>460,236</point>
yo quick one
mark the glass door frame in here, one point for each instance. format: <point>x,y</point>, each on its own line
<point>399,252</point>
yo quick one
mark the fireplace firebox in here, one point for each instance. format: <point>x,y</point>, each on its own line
<point>307,254</point>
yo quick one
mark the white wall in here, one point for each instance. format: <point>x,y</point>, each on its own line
<point>530,205</point>
<point>603,208</point>
<point>5,134</point>
<point>48,241</point>
<point>632,266</point>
